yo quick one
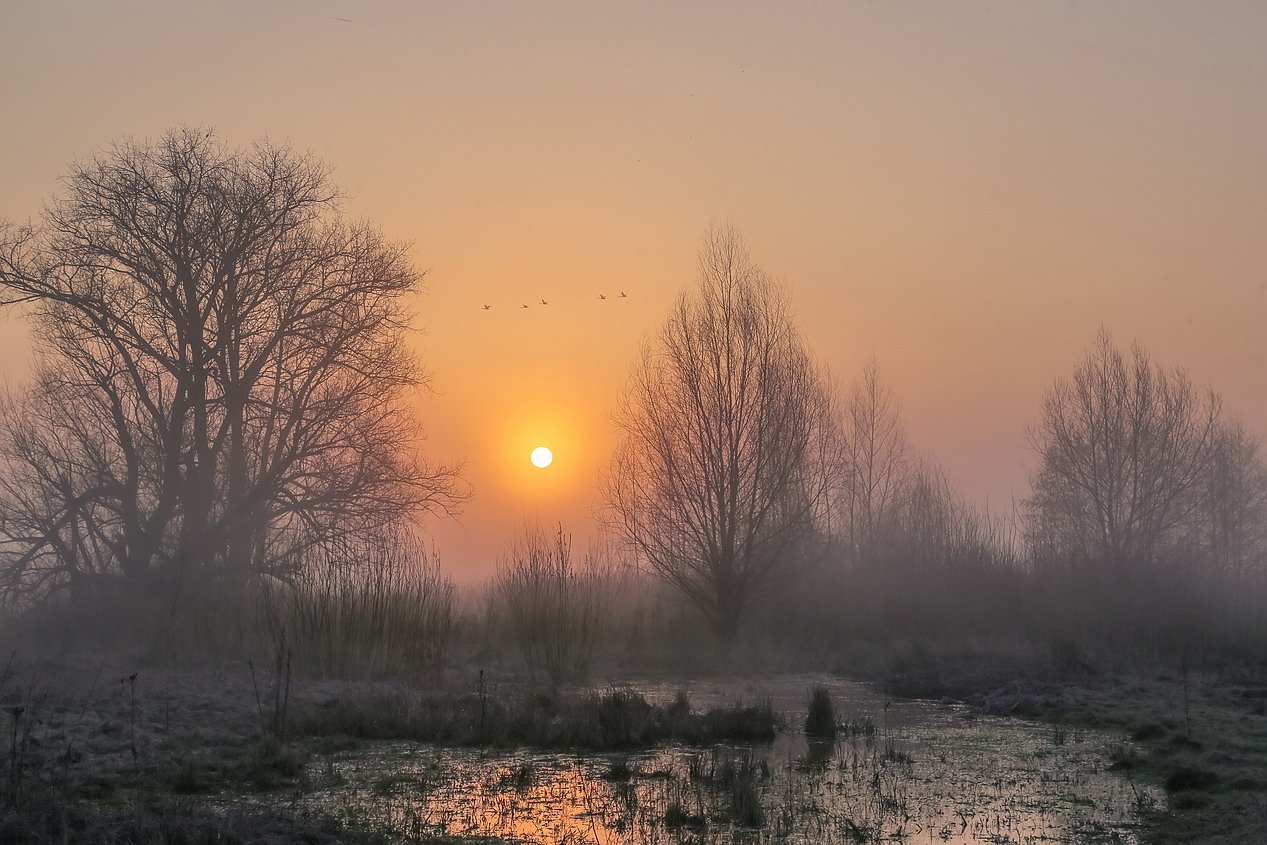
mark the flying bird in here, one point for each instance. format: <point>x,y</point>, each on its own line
<point>624,295</point>
<point>602,296</point>
<point>523,306</point>
<point>543,302</point>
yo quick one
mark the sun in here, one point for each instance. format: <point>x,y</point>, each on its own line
<point>541,457</point>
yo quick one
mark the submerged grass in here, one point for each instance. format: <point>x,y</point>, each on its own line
<point>739,780</point>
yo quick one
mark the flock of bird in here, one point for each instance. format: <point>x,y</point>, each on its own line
<point>601,297</point>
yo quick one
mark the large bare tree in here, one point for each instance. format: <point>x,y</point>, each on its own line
<point>723,470</point>
<point>1125,450</point>
<point>221,377</point>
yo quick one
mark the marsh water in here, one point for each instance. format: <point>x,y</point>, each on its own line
<point>902,771</point>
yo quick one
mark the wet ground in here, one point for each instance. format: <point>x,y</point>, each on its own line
<point>902,771</point>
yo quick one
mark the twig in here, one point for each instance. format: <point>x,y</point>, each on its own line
<point>259,705</point>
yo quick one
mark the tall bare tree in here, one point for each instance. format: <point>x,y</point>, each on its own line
<point>877,468</point>
<point>1125,448</point>
<point>222,372</point>
<point>727,453</point>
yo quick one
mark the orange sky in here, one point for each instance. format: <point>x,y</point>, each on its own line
<point>968,190</point>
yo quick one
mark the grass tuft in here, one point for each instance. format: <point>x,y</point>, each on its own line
<point>821,720</point>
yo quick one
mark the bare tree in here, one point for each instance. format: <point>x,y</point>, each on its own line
<point>1233,513</point>
<point>222,372</point>
<point>1125,448</point>
<point>877,470</point>
<point>727,453</point>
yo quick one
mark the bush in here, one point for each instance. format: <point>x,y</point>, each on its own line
<point>553,610</point>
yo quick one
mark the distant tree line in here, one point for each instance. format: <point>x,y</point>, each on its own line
<point>738,471</point>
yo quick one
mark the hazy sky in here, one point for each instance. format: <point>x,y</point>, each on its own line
<point>966,190</point>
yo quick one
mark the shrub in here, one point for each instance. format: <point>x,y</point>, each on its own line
<point>552,609</point>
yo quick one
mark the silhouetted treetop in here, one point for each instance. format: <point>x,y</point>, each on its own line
<point>222,373</point>
<point>722,474</point>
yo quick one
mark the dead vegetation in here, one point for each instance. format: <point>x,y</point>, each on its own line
<point>595,721</point>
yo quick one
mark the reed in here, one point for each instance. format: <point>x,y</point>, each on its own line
<point>376,610</point>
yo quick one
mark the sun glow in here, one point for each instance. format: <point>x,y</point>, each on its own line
<point>541,457</point>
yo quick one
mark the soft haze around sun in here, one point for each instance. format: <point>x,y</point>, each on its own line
<point>966,190</point>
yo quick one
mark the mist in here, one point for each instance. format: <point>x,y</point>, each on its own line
<point>630,426</point>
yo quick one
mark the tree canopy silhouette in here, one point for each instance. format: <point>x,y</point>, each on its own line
<point>1126,448</point>
<point>221,374</point>
<point>723,470</point>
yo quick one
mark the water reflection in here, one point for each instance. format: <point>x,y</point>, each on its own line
<point>914,772</point>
